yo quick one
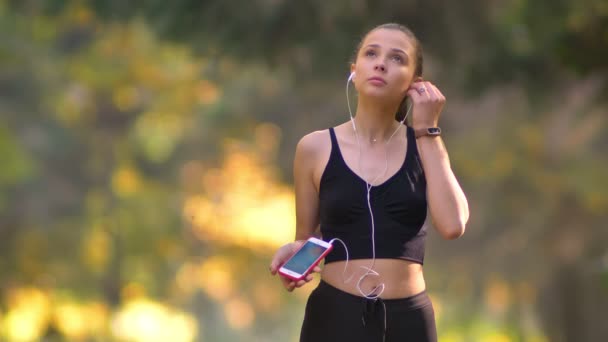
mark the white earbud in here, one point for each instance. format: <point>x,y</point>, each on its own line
<point>350,113</point>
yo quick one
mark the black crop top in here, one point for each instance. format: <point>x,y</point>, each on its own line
<point>399,207</point>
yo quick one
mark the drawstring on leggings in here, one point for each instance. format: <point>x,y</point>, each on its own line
<point>369,310</point>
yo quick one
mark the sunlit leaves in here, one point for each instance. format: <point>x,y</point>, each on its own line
<point>126,181</point>
<point>216,277</point>
<point>97,249</point>
<point>28,315</point>
<point>123,71</point>
<point>239,313</point>
<point>78,321</point>
<point>143,320</point>
<point>157,134</point>
<point>242,203</point>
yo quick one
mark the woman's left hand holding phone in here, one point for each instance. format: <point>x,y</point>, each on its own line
<point>281,256</point>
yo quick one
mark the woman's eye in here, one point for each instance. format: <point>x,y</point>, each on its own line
<point>370,53</point>
<point>398,58</point>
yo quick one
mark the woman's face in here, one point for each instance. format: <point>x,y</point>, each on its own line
<point>385,65</point>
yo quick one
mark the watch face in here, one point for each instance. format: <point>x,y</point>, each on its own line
<point>434,130</point>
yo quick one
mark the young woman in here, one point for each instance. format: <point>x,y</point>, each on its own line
<point>368,183</point>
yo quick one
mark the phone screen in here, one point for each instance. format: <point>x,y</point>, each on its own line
<point>306,256</point>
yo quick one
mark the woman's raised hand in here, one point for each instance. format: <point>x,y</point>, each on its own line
<point>428,103</point>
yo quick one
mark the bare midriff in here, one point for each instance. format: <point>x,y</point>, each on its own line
<point>401,278</point>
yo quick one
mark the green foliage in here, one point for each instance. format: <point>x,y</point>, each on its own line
<point>529,41</point>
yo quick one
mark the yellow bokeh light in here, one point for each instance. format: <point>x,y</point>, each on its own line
<point>98,314</point>
<point>71,321</point>
<point>126,98</point>
<point>267,295</point>
<point>497,295</point>
<point>28,314</point>
<point>148,321</point>
<point>125,181</point>
<point>239,313</point>
<point>79,321</point>
<point>244,203</point>
<point>96,249</point>
<point>23,326</point>
<point>268,223</point>
<point>132,291</point>
<point>186,278</point>
<point>215,278</point>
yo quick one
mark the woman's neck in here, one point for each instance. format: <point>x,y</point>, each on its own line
<point>375,123</point>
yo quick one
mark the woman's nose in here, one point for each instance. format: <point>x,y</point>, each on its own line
<point>380,67</point>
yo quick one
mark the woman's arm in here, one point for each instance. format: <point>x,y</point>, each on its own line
<point>447,203</point>
<point>307,205</point>
<point>307,196</point>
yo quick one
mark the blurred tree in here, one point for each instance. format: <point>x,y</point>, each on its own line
<point>122,184</point>
<point>491,42</point>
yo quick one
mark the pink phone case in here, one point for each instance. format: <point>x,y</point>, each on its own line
<point>309,268</point>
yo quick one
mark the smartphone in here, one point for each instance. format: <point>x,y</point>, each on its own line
<point>301,263</point>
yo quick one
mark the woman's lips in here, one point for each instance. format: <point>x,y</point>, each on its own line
<point>376,80</point>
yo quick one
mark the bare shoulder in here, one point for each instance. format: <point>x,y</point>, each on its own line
<point>312,155</point>
<point>313,144</point>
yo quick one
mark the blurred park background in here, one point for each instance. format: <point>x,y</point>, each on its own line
<point>146,150</point>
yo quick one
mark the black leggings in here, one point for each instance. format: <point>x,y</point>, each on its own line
<point>333,315</point>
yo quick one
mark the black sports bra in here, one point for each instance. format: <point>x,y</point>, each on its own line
<point>399,206</point>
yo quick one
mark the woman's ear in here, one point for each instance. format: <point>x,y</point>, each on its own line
<point>415,79</point>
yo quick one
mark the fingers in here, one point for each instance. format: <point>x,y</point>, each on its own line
<point>421,90</point>
<point>282,255</point>
<point>276,262</point>
<point>290,284</point>
<point>430,91</point>
<point>435,93</point>
<point>417,91</point>
<point>438,93</point>
<point>413,94</point>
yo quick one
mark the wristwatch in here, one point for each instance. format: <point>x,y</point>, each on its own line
<point>431,131</point>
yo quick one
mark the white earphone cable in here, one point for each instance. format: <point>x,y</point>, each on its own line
<point>378,290</point>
